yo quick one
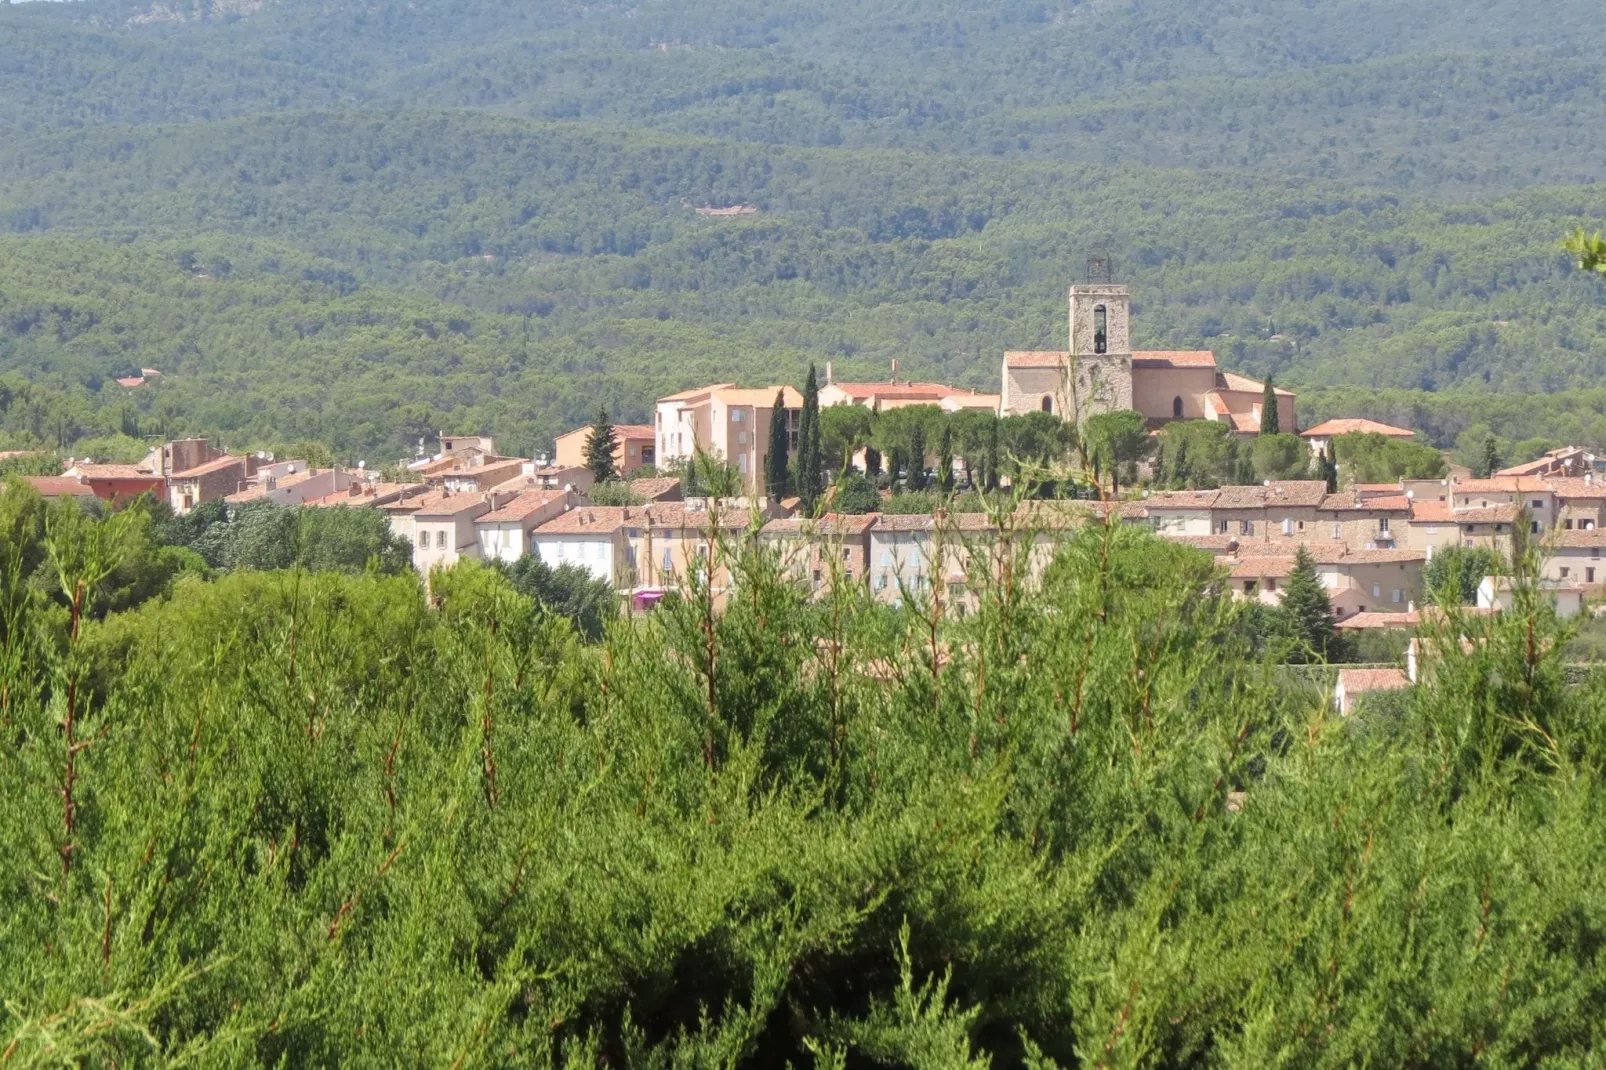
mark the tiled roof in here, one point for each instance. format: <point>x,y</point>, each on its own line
<point>1282,564</point>
<point>452,505</point>
<point>1182,499</point>
<point>831,525</point>
<point>763,396</point>
<point>1578,539</point>
<point>595,520</point>
<point>1359,681</point>
<point>625,431</point>
<point>935,391</point>
<point>1289,492</point>
<point>115,471</point>
<point>1577,487</point>
<point>1501,485</point>
<point>1349,501</point>
<point>260,490</point>
<point>1035,358</point>
<point>1219,544</point>
<point>1494,514</point>
<point>1369,620</point>
<point>1431,512</point>
<point>1194,358</point>
<point>369,494</point>
<point>522,506</point>
<point>1242,384</point>
<point>653,488</point>
<point>1333,428</point>
<point>209,467</point>
<point>429,500</point>
<point>687,395</point>
<point>677,515</point>
<point>59,486</point>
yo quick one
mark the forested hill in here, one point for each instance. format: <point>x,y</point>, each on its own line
<point>349,221</point>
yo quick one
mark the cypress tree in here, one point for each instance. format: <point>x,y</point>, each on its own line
<point>1492,461</point>
<point>1330,469</point>
<point>775,475</point>
<point>600,447</point>
<point>1307,611</point>
<point>1181,471</point>
<point>945,461</point>
<point>1270,422</point>
<point>917,456</point>
<point>808,444</point>
<point>990,479</point>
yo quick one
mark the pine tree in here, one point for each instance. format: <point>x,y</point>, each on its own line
<point>945,461</point>
<point>1307,611</point>
<point>1270,422</point>
<point>775,475</point>
<point>1492,461</point>
<point>600,447</point>
<point>808,444</point>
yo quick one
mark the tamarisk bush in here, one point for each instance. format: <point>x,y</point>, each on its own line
<point>1063,817</point>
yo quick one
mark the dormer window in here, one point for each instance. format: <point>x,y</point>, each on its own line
<point>1101,341</point>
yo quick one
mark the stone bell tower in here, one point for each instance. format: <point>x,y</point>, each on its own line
<point>1101,344</point>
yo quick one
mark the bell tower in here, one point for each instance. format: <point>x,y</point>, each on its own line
<point>1101,345</point>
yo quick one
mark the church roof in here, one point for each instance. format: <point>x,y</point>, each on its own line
<point>1190,358</point>
<point>1330,428</point>
<point>1035,358</point>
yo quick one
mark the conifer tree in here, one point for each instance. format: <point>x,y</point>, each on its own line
<point>945,461</point>
<point>775,482</point>
<point>1270,421</point>
<point>1181,471</point>
<point>600,446</point>
<point>990,479</point>
<point>1308,611</point>
<point>917,456</point>
<point>1330,469</point>
<point>808,444</point>
<point>1492,461</point>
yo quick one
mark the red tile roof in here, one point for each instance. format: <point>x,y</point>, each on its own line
<point>1359,681</point>
<point>1501,485</point>
<point>1192,358</point>
<point>1333,428</point>
<point>1431,512</point>
<point>530,501</point>
<point>216,465</point>
<point>1370,620</point>
<point>1494,514</point>
<point>59,486</point>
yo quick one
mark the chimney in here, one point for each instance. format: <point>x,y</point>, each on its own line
<point>830,372</point>
<point>895,369</point>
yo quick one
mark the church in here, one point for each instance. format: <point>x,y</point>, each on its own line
<point>1100,373</point>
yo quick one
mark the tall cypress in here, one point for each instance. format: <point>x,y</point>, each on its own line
<point>600,446</point>
<point>990,480</point>
<point>945,461</point>
<point>1492,461</point>
<point>1270,422</point>
<point>1330,469</point>
<point>917,456</point>
<point>775,465</point>
<point>808,444</point>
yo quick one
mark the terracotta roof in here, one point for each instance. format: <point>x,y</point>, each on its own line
<point>209,467</point>
<point>1494,514</point>
<point>132,381</point>
<point>522,506</point>
<point>1289,492</point>
<point>1360,681</point>
<point>1375,488</point>
<point>449,505</point>
<point>1242,384</point>
<point>1501,485</point>
<point>634,431</point>
<point>1281,564</point>
<point>594,520</point>
<point>1035,358</point>
<point>1578,539</point>
<point>1348,500</point>
<point>1393,501</point>
<point>687,395</point>
<point>653,488</point>
<point>1370,620</point>
<point>935,391</point>
<point>260,490</point>
<point>1182,499</point>
<point>381,494</point>
<point>1194,358</point>
<point>1219,544</point>
<point>759,397</point>
<point>115,471</point>
<point>828,526</point>
<point>677,515</point>
<point>59,486</point>
<point>1431,512</point>
<point>1333,428</point>
<point>972,401</point>
<point>412,503</point>
<point>1577,487</point>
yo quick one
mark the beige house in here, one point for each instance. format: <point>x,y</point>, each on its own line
<point>503,533</point>
<point>293,483</point>
<point>637,445</point>
<point>1101,373</point>
<point>1357,581</point>
<point>1574,557</point>
<point>1322,435</point>
<point>729,422</point>
<point>897,395</point>
<point>440,526</point>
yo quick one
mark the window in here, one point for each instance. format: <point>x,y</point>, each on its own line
<point>1288,526</point>
<point>914,558</point>
<point>1048,403</point>
<point>1567,525</point>
<point>1534,526</point>
<point>668,561</point>
<point>1536,504</point>
<point>1246,527</point>
<point>1221,527</point>
<point>1338,531</point>
<point>1398,596</point>
<point>1382,525</point>
<point>1301,526</point>
<point>816,577</point>
<point>1271,584</point>
<point>635,450</point>
<point>886,559</point>
<point>1176,408</point>
<point>1100,332</point>
<point>1587,525</point>
<point>1377,590</point>
<point>741,464</point>
<point>1249,586</point>
<point>847,553</point>
<point>1565,571</point>
<point>738,416</point>
<point>423,540</point>
<point>440,539</point>
<point>881,582</point>
<point>1589,575</point>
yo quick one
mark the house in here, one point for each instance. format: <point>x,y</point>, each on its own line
<point>1322,435</point>
<point>1574,557</point>
<point>1101,373</point>
<point>292,483</point>
<point>915,554</point>
<point>1532,493</point>
<point>1356,580</point>
<point>1497,594</point>
<point>1431,526</point>
<point>504,532</point>
<point>727,422</point>
<point>560,477</point>
<point>479,474</point>
<point>217,476</point>
<point>810,549</point>
<point>661,489</point>
<point>636,445</point>
<point>120,483</point>
<point>59,487</point>
<point>593,537</point>
<point>1353,683</point>
<point>895,394</point>
<point>1568,461</point>
<point>443,528</point>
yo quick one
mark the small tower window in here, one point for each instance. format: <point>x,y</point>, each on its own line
<point>1176,408</point>
<point>1048,403</point>
<point>1101,341</point>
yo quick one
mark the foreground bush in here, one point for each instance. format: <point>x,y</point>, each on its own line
<point>307,819</point>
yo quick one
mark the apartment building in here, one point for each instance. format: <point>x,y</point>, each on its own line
<point>811,549</point>
<point>728,422</point>
<point>635,445</point>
